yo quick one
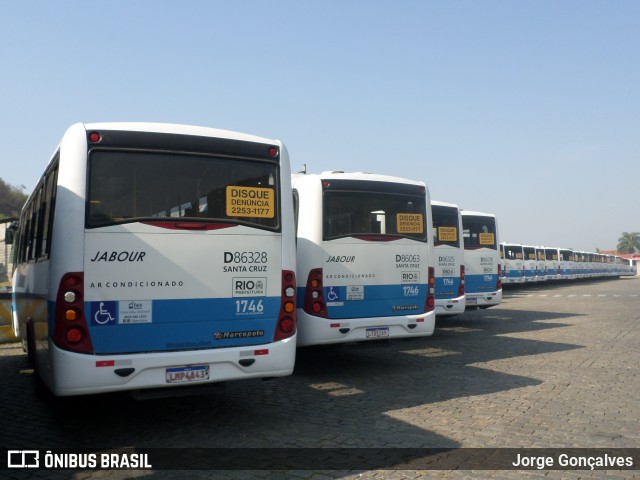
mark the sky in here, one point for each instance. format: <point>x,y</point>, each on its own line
<point>526,109</point>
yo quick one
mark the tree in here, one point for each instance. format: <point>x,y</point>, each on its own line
<point>629,242</point>
<point>11,200</point>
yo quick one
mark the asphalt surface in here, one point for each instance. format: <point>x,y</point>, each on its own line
<point>554,366</point>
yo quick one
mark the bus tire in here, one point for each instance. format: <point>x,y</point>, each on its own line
<point>40,390</point>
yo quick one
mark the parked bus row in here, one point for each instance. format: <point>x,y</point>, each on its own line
<point>153,256</point>
<point>526,263</point>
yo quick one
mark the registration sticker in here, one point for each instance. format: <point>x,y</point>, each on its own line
<point>355,292</point>
<point>192,373</point>
<point>378,332</point>
<point>135,311</point>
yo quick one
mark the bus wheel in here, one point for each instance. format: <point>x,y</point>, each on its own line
<point>31,345</point>
<point>40,390</point>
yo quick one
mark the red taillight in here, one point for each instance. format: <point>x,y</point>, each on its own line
<point>461,287</point>
<point>74,335</point>
<point>70,331</point>
<point>286,326</point>
<point>431,291</point>
<point>499,282</point>
<point>314,303</point>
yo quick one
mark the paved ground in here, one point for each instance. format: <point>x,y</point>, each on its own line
<point>553,366</point>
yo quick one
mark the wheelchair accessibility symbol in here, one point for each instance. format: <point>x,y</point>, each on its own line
<point>103,313</point>
<point>332,295</point>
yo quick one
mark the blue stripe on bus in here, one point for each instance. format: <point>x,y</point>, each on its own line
<point>372,300</point>
<point>447,287</point>
<point>480,283</point>
<point>185,324</point>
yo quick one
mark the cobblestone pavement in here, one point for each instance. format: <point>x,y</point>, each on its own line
<point>555,365</point>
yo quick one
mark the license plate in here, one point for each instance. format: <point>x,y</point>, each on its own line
<point>194,373</point>
<point>472,301</point>
<point>378,332</point>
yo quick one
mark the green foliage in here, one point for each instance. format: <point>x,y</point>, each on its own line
<point>11,200</point>
<point>629,242</point>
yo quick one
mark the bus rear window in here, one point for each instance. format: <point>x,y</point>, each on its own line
<point>479,232</point>
<point>512,252</point>
<point>378,213</point>
<point>445,226</point>
<point>126,186</point>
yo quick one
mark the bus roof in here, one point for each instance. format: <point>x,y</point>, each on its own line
<point>477,214</point>
<point>336,174</point>
<point>176,129</point>
<point>444,204</point>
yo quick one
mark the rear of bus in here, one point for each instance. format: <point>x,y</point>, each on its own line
<point>448,258</point>
<point>631,267</point>
<point>530,264</point>
<point>365,266</point>
<point>173,263</point>
<point>541,264</point>
<point>514,263</point>
<point>579,267</point>
<point>567,264</point>
<point>483,287</point>
<point>553,263</point>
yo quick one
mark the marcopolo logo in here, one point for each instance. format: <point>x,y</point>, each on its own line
<point>249,287</point>
<point>410,277</point>
<point>234,335</point>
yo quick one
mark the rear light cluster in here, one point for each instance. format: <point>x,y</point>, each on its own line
<point>314,303</point>
<point>431,292</point>
<point>499,282</point>
<point>286,326</point>
<point>461,287</point>
<point>70,325</point>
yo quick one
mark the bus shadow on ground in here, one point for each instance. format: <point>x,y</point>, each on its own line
<point>343,397</point>
<point>404,374</point>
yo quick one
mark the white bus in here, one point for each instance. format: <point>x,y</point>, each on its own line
<point>626,266</point>
<point>514,263</point>
<point>632,267</point>
<point>595,269</point>
<point>541,265</point>
<point>590,265</point>
<point>483,286</point>
<point>448,258</point>
<point>578,258</point>
<point>364,258</point>
<point>553,263</point>
<point>157,255</point>
<point>567,264</point>
<point>530,263</point>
